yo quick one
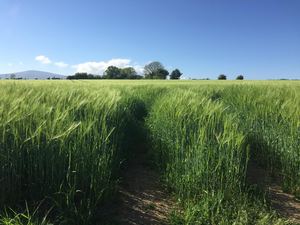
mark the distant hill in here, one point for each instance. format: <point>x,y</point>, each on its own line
<point>32,74</point>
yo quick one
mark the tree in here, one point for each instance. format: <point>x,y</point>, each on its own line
<point>128,73</point>
<point>136,77</point>
<point>151,69</point>
<point>112,72</point>
<point>155,70</point>
<point>175,75</point>
<point>240,77</point>
<point>161,74</point>
<point>80,76</point>
<point>222,77</point>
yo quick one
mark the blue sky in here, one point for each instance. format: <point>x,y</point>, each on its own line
<point>203,38</point>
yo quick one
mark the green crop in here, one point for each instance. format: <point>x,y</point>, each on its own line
<point>62,144</point>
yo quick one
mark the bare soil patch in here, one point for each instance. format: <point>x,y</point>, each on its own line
<point>143,198</point>
<point>285,204</point>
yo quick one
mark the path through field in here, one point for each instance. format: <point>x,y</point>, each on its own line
<point>143,199</point>
<point>285,204</point>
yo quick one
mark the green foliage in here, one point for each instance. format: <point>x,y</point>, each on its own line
<point>63,142</point>
<point>240,77</point>
<point>128,73</point>
<point>194,148</point>
<point>81,76</point>
<point>155,70</point>
<point>152,68</point>
<point>27,217</point>
<point>270,118</point>
<point>202,142</point>
<point>160,74</point>
<point>222,77</point>
<point>175,75</point>
<point>114,72</point>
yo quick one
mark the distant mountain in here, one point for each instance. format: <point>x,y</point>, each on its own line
<point>31,75</point>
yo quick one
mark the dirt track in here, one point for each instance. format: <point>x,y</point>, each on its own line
<point>143,199</point>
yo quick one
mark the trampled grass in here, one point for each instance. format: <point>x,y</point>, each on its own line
<point>62,144</point>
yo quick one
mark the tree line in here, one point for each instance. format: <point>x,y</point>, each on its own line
<point>153,70</point>
<point>224,77</point>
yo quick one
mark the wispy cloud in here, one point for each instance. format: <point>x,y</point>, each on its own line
<point>94,67</point>
<point>43,59</point>
<point>61,64</point>
<point>139,69</point>
<point>101,66</point>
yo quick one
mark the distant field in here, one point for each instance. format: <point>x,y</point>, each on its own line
<point>62,144</point>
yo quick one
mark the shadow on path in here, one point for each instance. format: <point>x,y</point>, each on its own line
<point>285,204</point>
<point>143,200</point>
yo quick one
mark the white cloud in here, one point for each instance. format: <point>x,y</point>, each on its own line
<point>139,69</point>
<point>184,78</point>
<point>100,67</point>
<point>61,64</point>
<point>10,64</point>
<point>43,59</point>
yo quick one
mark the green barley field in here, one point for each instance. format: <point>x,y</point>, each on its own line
<point>63,144</point>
